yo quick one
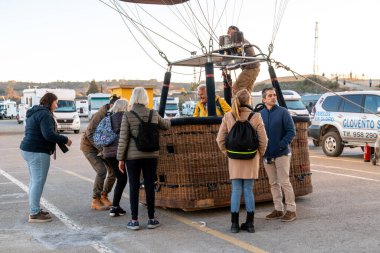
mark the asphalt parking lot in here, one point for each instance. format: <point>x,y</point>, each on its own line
<point>341,215</point>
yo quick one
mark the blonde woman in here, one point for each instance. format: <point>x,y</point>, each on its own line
<point>242,172</point>
<point>109,154</point>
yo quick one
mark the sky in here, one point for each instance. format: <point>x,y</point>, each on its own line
<point>71,40</point>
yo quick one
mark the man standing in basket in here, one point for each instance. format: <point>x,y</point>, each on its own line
<point>281,131</point>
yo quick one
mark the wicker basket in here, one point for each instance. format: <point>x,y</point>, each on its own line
<point>192,172</point>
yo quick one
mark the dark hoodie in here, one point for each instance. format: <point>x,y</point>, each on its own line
<point>40,135</point>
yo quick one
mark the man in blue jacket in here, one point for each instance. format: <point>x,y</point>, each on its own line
<point>281,131</point>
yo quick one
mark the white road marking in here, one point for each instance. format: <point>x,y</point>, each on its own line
<point>6,183</point>
<point>353,160</point>
<point>345,175</point>
<point>98,246</point>
<point>13,195</point>
<point>339,168</point>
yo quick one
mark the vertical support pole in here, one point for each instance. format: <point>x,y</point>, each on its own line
<point>210,87</point>
<point>164,93</point>
<point>276,85</point>
<point>227,83</point>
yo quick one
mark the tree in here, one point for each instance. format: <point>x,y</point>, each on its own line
<point>10,93</point>
<point>93,88</point>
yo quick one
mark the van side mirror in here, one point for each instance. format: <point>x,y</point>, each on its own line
<point>378,109</point>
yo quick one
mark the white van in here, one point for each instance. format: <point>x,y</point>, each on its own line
<point>171,109</point>
<point>66,114</point>
<point>188,108</point>
<point>292,100</point>
<point>82,107</point>
<point>345,119</point>
<point>8,109</point>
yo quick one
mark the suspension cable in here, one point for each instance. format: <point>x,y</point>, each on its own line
<point>280,65</point>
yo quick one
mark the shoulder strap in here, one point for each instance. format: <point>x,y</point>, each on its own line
<point>137,116</point>
<point>219,106</point>
<point>150,116</point>
<point>250,116</point>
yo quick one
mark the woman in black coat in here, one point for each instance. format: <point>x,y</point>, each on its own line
<point>36,148</point>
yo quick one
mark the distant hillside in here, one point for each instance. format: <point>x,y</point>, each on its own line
<point>302,85</point>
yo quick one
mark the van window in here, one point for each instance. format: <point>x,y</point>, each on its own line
<point>350,107</point>
<point>331,103</point>
<point>295,105</point>
<point>371,103</point>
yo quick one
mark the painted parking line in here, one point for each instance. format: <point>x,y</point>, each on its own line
<point>98,246</point>
<point>203,228</point>
<point>353,160</point>
<point>345,175</point>
<point>339,168</point>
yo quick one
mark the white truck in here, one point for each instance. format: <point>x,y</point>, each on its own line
<point>171,109</point>
<point>95,101</point>
<point>82,107</point>
<point>66,114</point>
<point>8,109</point>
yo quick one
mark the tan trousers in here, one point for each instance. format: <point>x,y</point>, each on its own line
<point>278,174</point>
<point>246,79</point>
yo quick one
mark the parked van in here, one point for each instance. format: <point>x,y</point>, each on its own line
<point>82,107</point>
<point>188,108</point>
<point>292,101</point>
<point>66,114</point>
<point>8,109</point>
<point>171,109</point>
<point>21,113</point>
<point>345,119</point>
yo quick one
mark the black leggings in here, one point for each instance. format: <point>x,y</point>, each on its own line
<point>121,182</point>
<point>148,167</point>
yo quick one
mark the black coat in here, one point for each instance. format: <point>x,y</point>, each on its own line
<point>40,135</point>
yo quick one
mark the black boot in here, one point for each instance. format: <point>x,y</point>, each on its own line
<point>248,225</point>
<point>234,222</point>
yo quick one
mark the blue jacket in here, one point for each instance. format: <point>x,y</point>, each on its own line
<point>280,131</point>
<point>40,135</point>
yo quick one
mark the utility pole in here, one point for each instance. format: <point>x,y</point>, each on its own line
<point>315,65</point>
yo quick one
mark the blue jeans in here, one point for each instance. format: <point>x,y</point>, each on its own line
<point>239,186</point>
<point>38,165</point>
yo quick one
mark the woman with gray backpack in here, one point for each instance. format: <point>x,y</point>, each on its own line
<point>138,151</point>
<point>243,155</point>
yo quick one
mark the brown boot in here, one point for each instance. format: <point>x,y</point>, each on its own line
<point>274,215</point>
<point>97,204</point>
<point>105,201</point>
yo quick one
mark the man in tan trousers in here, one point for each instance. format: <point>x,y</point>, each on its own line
<point>280,129</point>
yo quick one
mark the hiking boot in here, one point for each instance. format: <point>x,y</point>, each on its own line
<point>274,215</point>
<point>47,214</point>
<point>289,216</point>
<point>39,218</point>
<point>105,201</point>
<point>117,211</point>
<point>134,225</point>
<point>248,224</point>
<point>153,223</point>
<point>235,223</point>
<point>97,205</point>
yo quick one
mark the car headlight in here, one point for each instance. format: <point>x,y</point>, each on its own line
<point>76,116</point>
